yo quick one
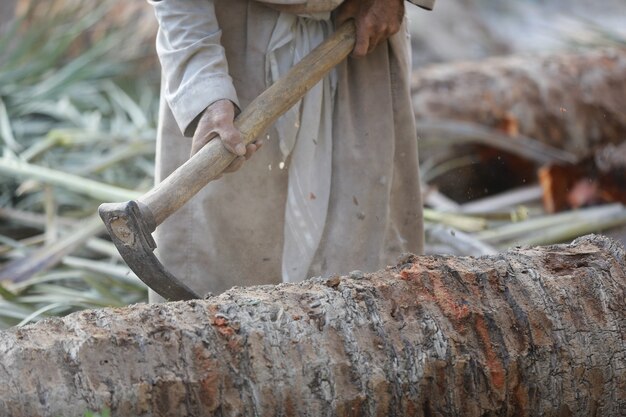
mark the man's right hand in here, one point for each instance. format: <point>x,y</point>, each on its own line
<point>218,121</point>
<point>376,21</point>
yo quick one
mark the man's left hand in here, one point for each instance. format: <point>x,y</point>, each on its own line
<point>376,21</point>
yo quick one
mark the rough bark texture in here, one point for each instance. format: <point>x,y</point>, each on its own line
<point>570,101</point>
<point>535,331</point>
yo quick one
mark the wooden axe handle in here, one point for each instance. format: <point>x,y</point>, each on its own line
<point>174,191</point>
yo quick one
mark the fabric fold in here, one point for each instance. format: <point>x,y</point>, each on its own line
<point>305,141</point>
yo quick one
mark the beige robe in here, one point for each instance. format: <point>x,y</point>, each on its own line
<point>233,232</point>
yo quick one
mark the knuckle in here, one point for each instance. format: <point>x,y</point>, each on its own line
<point>361,46</point>
<point>220,118</point>
<point>369,26</point>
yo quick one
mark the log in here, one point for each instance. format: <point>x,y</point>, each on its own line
<point>571,101</point>
<point>530,332</point>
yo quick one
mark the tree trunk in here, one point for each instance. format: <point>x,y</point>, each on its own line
<point>573,102</point>
<point>535,331</point>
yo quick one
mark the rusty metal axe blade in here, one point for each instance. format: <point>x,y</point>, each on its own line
<point>131,232</point>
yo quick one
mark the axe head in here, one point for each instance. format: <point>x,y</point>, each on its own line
<point>130,225</point>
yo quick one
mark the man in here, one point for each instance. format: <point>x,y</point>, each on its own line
<point>336,187</point>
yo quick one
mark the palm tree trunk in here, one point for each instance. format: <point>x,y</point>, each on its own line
<point>534,331</point>
<point>571,101</point>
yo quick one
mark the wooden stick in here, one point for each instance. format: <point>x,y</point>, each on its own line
<point>210,161</point>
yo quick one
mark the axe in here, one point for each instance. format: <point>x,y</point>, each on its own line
<point>131,224</point>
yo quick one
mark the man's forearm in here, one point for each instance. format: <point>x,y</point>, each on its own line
<point>195,71</point>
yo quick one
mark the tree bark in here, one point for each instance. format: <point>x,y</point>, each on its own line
<point>573,101</point>
<point>534,331</point>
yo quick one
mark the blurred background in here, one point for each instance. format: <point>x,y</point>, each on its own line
<point>521,123</point>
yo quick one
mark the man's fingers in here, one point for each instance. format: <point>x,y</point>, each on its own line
<point>375,39</point>
<point>217,121</point>
<point>376,21</point>
<point>346,11</point>
<point>199,141</point>
<point>362,44</point>
<point>231,138</point>
<point>252,148</point>
<point>341,17</point>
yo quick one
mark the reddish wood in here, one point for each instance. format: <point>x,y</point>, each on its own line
<point>531,332</point>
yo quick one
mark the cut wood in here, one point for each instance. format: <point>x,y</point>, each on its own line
<point>534,331</point>
<point>571,101</point>
<point>598,179</point>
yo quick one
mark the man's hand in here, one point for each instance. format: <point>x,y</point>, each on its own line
<point>217,121</point>
<point>376,21</point>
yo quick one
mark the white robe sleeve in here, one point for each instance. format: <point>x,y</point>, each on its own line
<point>195,71</point>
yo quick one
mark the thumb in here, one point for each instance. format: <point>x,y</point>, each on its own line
<point>363,41</point>
<point>345,12</point>
<point>232,140</point>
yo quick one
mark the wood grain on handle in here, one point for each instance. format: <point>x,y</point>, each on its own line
<point>174,191</point>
